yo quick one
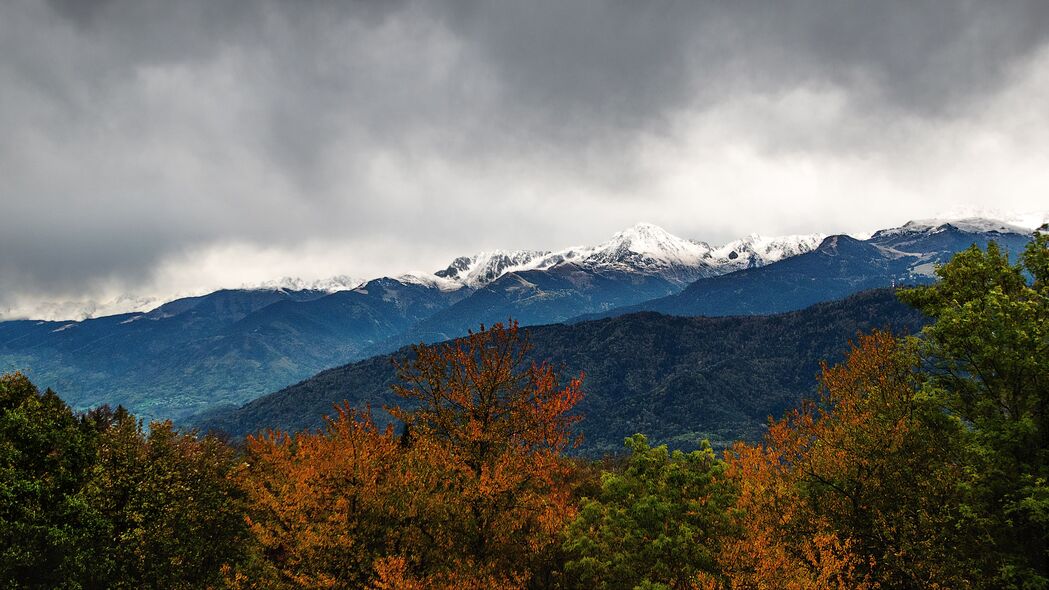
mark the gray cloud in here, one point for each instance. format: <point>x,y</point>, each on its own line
<point>141,136</point>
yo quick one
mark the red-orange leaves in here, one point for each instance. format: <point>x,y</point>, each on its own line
<point>473,493</point>
<point>858,489</point>
<point>500,422</point>
<point>320,504</point>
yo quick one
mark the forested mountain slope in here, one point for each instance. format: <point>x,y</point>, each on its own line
<point>678,379</point>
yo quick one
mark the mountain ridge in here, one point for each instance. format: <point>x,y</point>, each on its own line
<point>230,346</point>
<point>677,379</point>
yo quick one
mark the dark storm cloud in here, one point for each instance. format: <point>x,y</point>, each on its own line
<point>137,132</point>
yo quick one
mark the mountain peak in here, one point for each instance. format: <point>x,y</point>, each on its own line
<point>644,245</point>
<point>755,250</point>
<point>484,267</point>
<point>643,248</point>
<point>644,229</point>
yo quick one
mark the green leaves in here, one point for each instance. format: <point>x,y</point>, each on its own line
<point>656,524</point>
<point>46,525</point>
<point>988,359</point>
<point>95,502</point>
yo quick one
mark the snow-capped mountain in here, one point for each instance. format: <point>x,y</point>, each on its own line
<point>967,225</point>
<point>482,268</point>
<point>754,250</point>
<point>838,266</point>
<point>644,248</point>
<point>1028,220</point>
<point>932,241</point>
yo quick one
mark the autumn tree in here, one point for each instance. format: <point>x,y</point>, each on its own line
<point>495,424</point>
<point>324,506</point>
<point>988,358</point>
<point>864,487</point>
<point>655,523</point>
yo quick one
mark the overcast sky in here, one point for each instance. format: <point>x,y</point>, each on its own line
<point>157,147</point>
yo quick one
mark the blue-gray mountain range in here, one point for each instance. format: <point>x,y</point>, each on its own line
<point>202,354</point>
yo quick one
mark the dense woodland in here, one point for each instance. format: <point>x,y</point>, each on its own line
<point>921,463</point>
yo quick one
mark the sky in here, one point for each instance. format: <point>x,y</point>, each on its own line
<point>153,148</point>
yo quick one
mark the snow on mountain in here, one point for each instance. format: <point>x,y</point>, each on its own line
<point>649,249</point>
<point>482,268</point>
<point>972,225</point>
<point>754,250</point>
<point>430,280</point>
<point>1028,220</point>
<point>329,285</point>
<point>644,248</point>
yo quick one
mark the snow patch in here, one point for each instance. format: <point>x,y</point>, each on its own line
<point>328,285</point>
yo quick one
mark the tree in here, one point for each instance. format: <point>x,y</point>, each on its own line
<point>988,355</point>
<point>656,523</point>
<point>48,529</point>
<point>864,487</point>
<point>495,424</point>
<point>94,502</point>
<point>173,514</point>
<point>322,505</point>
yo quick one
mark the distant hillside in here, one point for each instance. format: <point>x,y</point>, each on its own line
<point>223,348</point>
<point>677,379</point>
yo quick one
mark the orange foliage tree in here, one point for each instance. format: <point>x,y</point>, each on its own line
<point>861,488</point>
<point>496,424</point>
<point>473,493</point>
<point>323,506</point>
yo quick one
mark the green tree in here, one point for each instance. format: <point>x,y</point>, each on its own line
<point>174,515</point>
<point>47,528</point>
<point>656,524</point>
<point>988,353</point>
<point>93,501</point>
